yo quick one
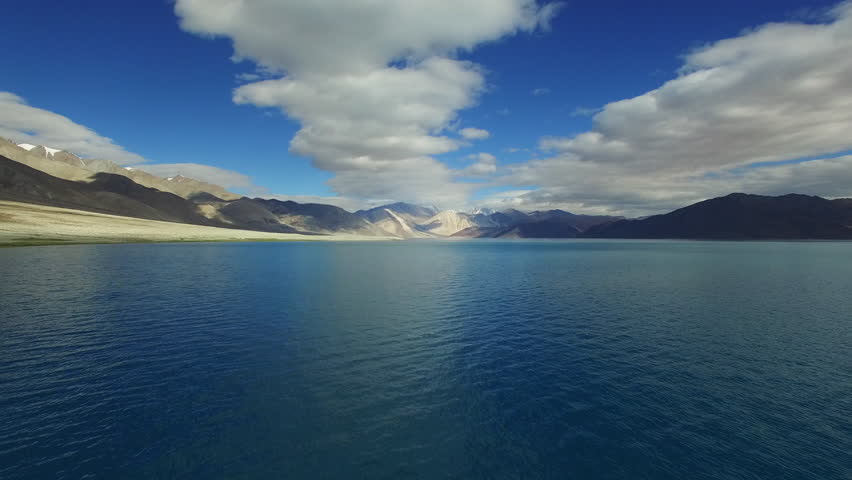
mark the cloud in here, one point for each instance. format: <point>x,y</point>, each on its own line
<point>474,133</point>
<point>343,36</point>
<point>373,84</point>
<point>486,164</point>
<point>205,173</point>
<point>776,93</point>
<point>23,123</point>
<point>540,91</point>
<point>607,190</point>
<point>247,77</point>
<point>584,112</point>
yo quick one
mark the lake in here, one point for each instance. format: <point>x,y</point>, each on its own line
<point>389,360</point>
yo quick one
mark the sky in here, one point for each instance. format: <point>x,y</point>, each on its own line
<point>590,106</point>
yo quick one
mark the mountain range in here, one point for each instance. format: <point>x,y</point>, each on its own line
<point>739,216</point>
<point>48,176</point>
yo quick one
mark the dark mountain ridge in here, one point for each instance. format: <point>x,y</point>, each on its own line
<point>318,217</point>
<point>120,195</point>
<point>740,216</point>
<point>736,216</point>
<point>106,193</point>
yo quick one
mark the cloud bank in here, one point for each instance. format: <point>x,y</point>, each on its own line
<point>23,123</point>
<point>781,92</point>
<point>205,173</point>
<point>374,84</point>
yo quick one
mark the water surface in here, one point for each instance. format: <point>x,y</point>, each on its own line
<point>469,360</point>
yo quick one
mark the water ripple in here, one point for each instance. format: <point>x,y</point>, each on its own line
<point>626,360</point>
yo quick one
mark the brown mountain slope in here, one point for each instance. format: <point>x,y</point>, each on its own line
<point>105,193</point>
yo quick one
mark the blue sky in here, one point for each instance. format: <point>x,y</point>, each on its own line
<point>130,72</point>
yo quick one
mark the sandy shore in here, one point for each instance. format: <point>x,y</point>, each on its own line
<point>23,224</point>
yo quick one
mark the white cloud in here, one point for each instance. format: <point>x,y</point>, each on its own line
<point>474,133</point>
<point>584,112</point>
<point>346,120</point>
<point>486,164</point>
<point>373,83</point>
<point>205,173</point>
<point>354,36</point>
<point>540,91</point>
<point>776,93</point>
<point>23,123</point>
<point>247,77</point>
<point>608,190</point>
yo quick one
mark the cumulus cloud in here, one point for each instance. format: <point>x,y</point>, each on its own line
<point>780,92</point>
<point>373,83</point>
<point>485,164</point>
<point>345,36</point>
<point>609,190</point>
<point>23,123</point>
<point>474,133</point>
<point>205,173</point>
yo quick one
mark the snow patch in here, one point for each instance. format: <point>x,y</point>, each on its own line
<point>29,146</point>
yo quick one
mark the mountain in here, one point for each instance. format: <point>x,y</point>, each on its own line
<point>248,214</point>
<point>48,176</point>
<point>319,218</point>
<point>397,225</point>
<point>739,216</point>
<point>482,211</point>
<point>539,224</point>
<point>408,211</point>
<point>508,218</point>
<point>68,166</point>
<point>105,193</point>
<point>449,222</point>
<point>119,195</point>
<point>544,229</point>
<point>400,219</point>
<point>580,222</point>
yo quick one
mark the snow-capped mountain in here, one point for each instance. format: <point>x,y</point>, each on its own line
<point>68,166</point>
<point>47,150</point>
<point>482,211</point>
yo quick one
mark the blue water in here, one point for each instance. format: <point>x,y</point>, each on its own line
<point>468,360</point>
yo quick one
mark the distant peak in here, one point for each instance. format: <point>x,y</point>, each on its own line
<point>482,211</point>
